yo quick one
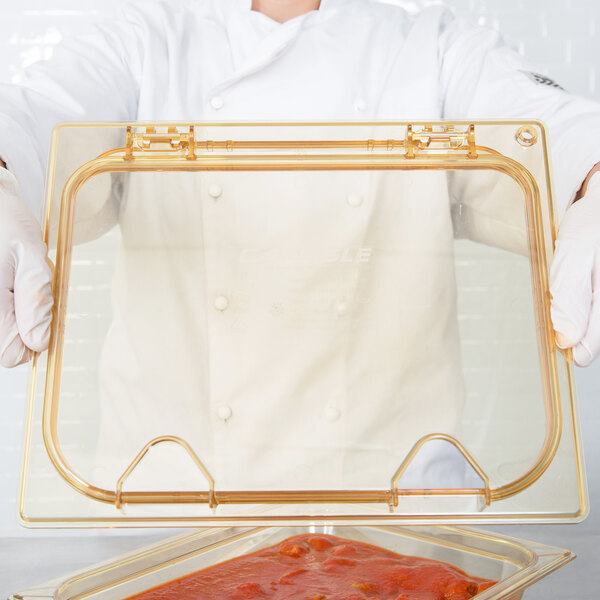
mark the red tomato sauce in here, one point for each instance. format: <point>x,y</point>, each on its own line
<point>323,567</point>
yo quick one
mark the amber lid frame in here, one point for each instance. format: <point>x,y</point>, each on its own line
<point>425,146</point>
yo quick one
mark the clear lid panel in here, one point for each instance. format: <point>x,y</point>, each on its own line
<point>284,323</point>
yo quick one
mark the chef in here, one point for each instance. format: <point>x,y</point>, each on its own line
<point>219,60</point>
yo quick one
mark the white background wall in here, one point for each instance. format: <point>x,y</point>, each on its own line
<point>562,37</point>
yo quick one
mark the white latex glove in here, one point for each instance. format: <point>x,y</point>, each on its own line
<point>25,279</point>
<point>575,277</point>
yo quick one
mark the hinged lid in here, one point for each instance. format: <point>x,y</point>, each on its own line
<point>292,323</point>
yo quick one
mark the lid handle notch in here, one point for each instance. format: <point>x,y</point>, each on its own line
<point>415,450</point>
<point>159,440</point>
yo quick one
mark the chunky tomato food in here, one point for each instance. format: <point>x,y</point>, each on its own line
<point>323,567</point>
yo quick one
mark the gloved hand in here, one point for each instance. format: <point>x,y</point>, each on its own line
<point>575,277</point>
<point>25,279</point>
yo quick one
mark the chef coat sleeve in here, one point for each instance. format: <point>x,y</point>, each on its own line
<point>482,78</point>
<point>92,77</point>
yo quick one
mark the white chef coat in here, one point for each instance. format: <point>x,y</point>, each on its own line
<point>349,60</point>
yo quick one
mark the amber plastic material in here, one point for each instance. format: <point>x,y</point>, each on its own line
<point>515,564</point>
<point>282,324</point>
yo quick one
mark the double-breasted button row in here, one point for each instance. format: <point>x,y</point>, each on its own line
<point>215,191</point>
<point>221,302</point>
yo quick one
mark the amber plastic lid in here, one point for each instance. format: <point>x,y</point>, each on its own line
<point>301,323</point>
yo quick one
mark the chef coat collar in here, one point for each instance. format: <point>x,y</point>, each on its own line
<point>324,7</point>
<point>276,36</point>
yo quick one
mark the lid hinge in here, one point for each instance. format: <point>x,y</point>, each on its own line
<point>429,139</point>
<point>161,139</point>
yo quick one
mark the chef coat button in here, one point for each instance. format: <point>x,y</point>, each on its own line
<point>341,308</point>
<point>217,102</point>
<point>355,199</point>
<point>224,412</point>
<point>332,413</point>
<point>360,105</point>
<point>276,309</point>
<point>221,303</point>
<point>215,190</point>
